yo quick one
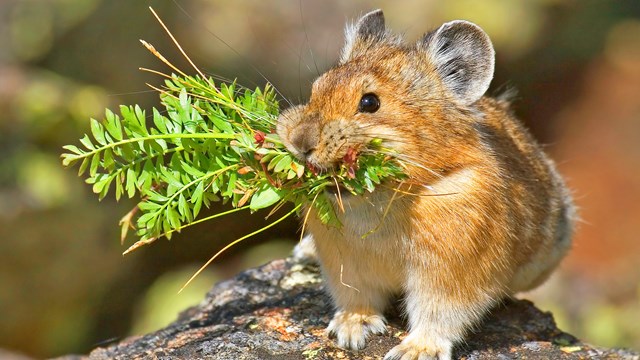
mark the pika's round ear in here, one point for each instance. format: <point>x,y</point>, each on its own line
<point>361,35</point>
<point>464,58</point>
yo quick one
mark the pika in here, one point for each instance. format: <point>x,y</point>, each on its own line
<point>483,215</point>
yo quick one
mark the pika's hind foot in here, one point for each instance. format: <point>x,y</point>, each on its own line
<point>413,348</point>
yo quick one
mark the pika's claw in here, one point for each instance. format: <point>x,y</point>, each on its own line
<point>353,329</point>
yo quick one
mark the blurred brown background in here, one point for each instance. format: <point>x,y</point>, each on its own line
<point>65,288</point>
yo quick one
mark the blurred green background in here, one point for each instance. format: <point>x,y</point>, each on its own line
<point>65,288</point>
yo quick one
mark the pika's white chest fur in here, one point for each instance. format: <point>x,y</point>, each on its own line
<point>369,248</point>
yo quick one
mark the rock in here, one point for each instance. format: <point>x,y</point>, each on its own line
<point>280,311</point>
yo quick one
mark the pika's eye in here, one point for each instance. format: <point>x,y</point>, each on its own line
<point>369,103</point>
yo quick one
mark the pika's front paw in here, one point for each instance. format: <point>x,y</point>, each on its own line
<point>305,250</point>
<point>413,348</point>
<point>353,329</point>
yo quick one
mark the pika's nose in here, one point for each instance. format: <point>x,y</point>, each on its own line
<point>305,140</point>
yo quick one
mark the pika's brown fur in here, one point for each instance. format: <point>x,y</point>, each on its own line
<point>488,214</point>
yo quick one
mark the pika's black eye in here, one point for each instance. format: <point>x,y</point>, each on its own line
<point>369,103</point>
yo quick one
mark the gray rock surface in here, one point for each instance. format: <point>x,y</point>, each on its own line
<point>280,311</point>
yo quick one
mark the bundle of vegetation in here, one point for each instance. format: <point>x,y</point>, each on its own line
<point>213,142</point>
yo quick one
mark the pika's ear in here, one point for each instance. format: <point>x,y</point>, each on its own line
<point>464,58</point>
<point>363,34</point>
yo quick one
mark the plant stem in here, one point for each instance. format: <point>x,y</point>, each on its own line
<point>154,137</point>
<point>237,241</point>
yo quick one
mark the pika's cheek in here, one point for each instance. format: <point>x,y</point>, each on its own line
<point>334,140</point>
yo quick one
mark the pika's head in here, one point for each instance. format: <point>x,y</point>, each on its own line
<point>411,96</point>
